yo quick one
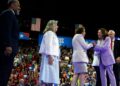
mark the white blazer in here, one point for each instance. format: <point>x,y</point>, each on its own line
<point>96,56</point>
<point>80,48</point>
<point>50,44</point>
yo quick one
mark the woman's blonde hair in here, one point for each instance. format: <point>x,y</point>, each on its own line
<point>48,26</point>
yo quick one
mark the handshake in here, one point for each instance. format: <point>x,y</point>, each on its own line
<point>94,44</point>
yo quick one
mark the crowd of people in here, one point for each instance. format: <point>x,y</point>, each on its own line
<point>26,69</point>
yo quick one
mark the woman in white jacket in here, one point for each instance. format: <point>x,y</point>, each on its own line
<point>79,57</point>
<point>49,49</point>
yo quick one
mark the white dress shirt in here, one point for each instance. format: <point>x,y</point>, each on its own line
<point>96,56</point>
<point>113,40</point>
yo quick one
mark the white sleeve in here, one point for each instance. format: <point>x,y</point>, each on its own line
<point>84,44</point>
<point>49,38</point>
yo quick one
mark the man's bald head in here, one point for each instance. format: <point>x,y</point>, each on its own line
<point>14,5</point>
<point>10,2</point>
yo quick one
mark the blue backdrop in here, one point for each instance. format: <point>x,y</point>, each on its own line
<point>63,41</point>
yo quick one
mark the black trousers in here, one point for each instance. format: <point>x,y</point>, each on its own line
<point>6,65</point>
<point>116,69</point>
<point>98,79</point>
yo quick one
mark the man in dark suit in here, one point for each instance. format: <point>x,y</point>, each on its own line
<point>9,36</point>
<point>115,46</point>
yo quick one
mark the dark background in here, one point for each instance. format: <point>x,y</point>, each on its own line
<point>93,15</point>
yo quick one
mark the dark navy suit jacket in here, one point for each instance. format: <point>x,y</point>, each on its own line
<point>116,48</point>
<point>9,30</point>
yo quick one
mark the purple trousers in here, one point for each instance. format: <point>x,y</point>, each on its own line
<point>109,71</point>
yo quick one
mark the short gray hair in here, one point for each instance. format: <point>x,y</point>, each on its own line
<point>112,31</point>
<point>11,1</point>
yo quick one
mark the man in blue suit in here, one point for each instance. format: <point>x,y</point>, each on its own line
<point>9,36</point>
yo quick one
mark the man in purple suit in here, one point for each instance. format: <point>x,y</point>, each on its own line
<point>106,58</point>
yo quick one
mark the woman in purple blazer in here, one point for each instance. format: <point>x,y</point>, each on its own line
<point>106,58</point>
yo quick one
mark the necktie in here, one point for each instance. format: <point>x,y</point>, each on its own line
<point>111,44</point>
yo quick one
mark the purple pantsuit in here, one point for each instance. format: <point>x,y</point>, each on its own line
<point>106,62</point>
